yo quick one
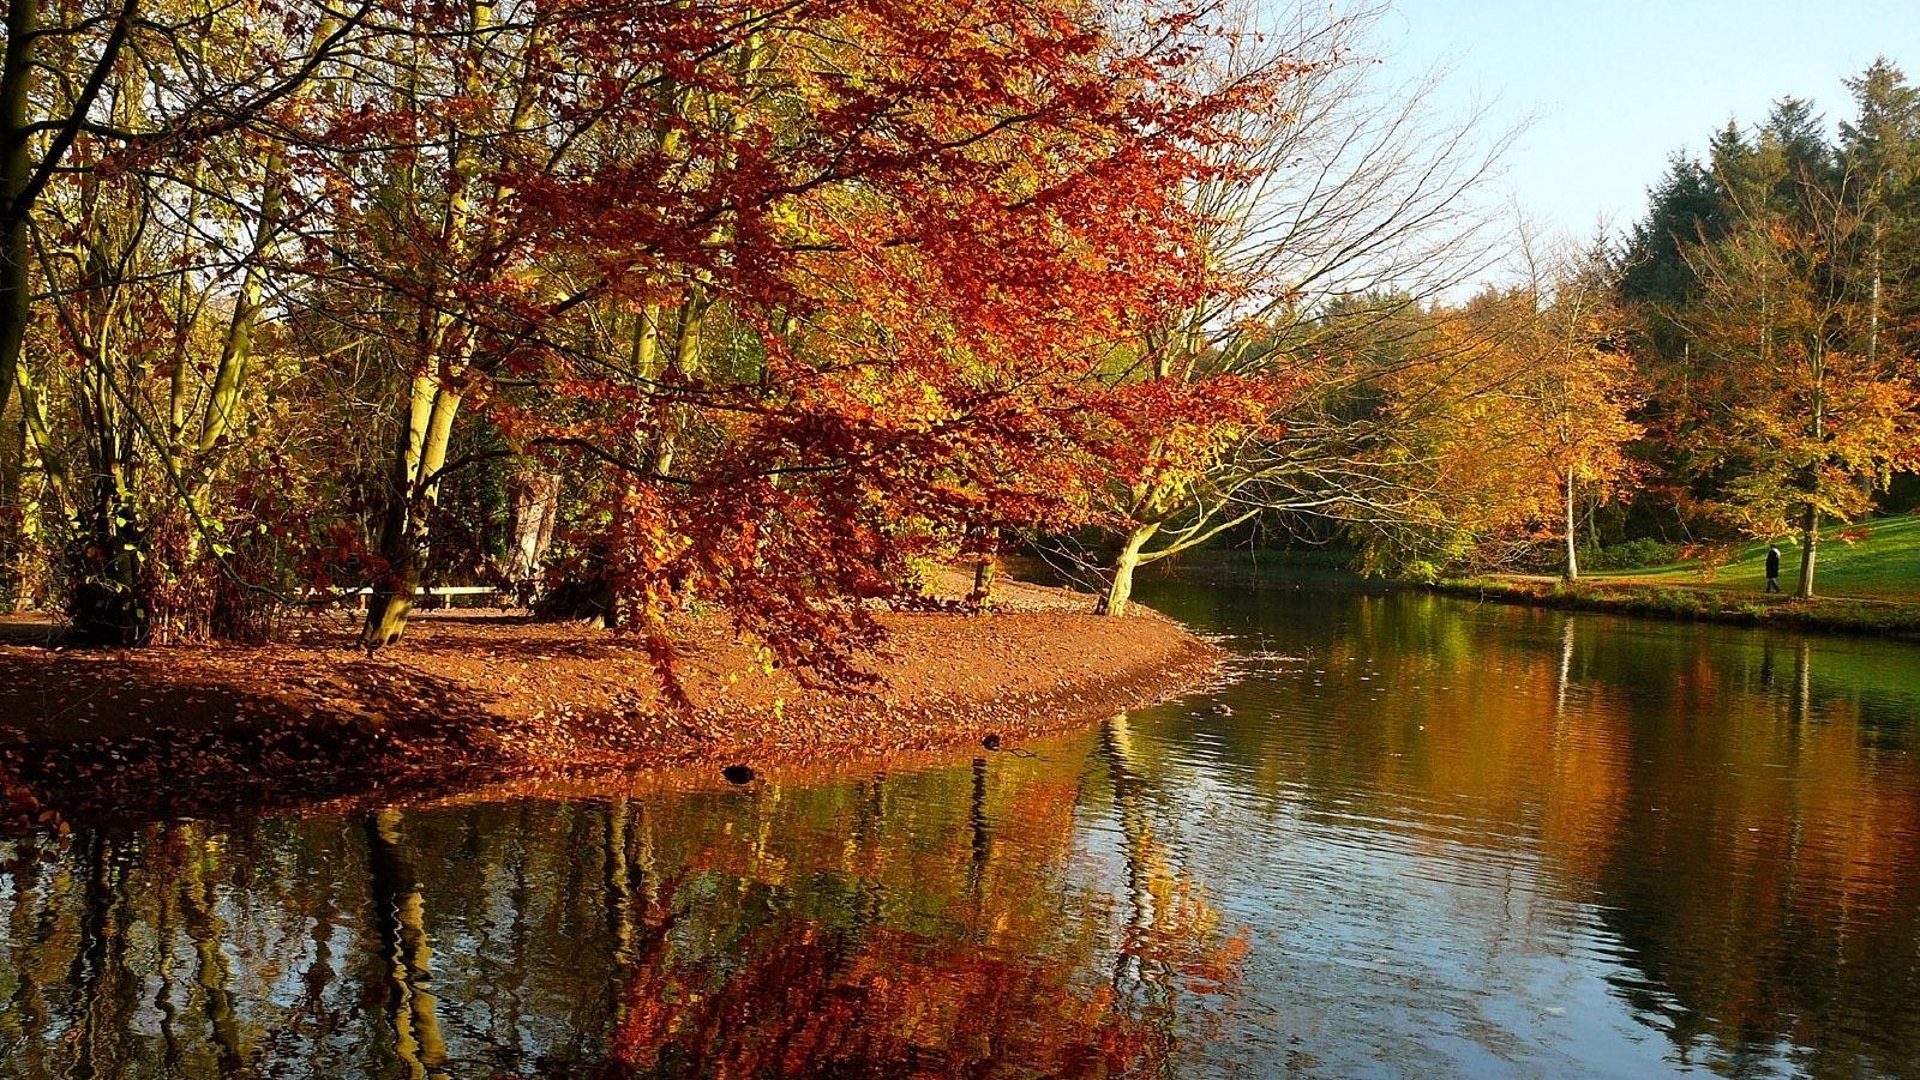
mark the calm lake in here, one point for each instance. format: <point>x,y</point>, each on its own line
<point>1414,837</point>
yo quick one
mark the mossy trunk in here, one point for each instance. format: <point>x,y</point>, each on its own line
<point>17,78</point>
<point>111,603</point>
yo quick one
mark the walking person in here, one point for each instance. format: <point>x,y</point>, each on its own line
<point>1773,567</point>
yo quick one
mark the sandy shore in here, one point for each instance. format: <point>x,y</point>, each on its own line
<point>477,698</point>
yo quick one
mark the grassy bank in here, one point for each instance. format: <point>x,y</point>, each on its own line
<point>1881,563</point>
<point>1866,580</point>
<point>1700,602</point>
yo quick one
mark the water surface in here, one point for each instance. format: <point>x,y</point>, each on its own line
<point>1415,837</point>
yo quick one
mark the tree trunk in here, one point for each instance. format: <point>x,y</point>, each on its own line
<point>404,532</point>
<point>393,591</point>
<point>1573,558</point>
<point>236,352</point>
<point>16,88</point>
<point>20,180</point>
<point>15,525</point>
<point>440,365</point>
<point>984,572</point>
<point>111,603</point>
<point>53,466</point>
<point>535,508</point>
<point>1873,301</point>
<point>1120,589</point>
<point>1809,549</point>
<point>685,364</point>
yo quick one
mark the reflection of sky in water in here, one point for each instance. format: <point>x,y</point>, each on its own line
<point>1376,949</point>
<point>1485,854</point>
<point>1454,839</point>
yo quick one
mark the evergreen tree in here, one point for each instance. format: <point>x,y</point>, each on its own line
<point>1880,156</point>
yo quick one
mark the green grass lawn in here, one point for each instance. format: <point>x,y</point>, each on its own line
<point>1884,566</point>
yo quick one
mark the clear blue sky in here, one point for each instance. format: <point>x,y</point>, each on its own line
<point>1614,89</point>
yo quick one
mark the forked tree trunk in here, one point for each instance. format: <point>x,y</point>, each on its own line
<point>441,365</point>
<point>404,531</point>
<point>1120,588</point>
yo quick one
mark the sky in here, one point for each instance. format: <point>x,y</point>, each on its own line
<point>1610,91</point>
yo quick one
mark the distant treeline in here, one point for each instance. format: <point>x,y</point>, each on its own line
<point>1740,364</point>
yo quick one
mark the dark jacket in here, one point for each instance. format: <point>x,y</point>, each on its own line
<point>1773,562</point>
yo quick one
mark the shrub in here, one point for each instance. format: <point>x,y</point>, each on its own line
<point>1632,555</point>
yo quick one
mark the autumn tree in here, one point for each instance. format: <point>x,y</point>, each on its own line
<point>1789,401</point>
<point>140,303</point>
<point>1578,389</point>
<point>1332,210</point>
<point>817,322</point>
<point>1771,287</point>
<point>1802,421</point>
<point>1511,439</point>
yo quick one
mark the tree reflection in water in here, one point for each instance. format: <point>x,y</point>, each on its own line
<point>1487,840</point>
<point>1718,827</point>
<point>938,924</point>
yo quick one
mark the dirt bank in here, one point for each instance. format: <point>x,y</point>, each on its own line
<point>478,697</point>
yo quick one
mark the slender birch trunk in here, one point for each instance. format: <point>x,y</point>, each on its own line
<point>1873,303</point>
<point>1573,557</point>
<point>1810,522</point>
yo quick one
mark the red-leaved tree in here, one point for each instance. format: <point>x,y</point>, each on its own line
<point>798,292</point>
